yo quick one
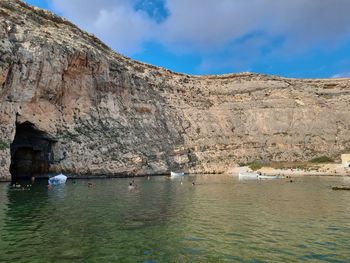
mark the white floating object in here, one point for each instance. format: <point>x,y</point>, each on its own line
<point>58,179</point>
<point>248,176</point>
<point>173,174</point>
<point>257,176</point>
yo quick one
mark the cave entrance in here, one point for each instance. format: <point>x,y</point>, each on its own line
<point>31,152</point>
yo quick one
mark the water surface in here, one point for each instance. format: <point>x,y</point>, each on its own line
<point>220,219</point>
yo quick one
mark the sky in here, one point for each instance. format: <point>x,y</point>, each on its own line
<point>291,38</point>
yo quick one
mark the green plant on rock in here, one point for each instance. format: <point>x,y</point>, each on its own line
<point>8,60</point>
<point>256,165</point>
<point>4,145</point>
<point>115,157</point>
<point>322,159</point>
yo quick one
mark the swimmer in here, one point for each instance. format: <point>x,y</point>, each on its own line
<point>131,186</point>
<point>133,183</point>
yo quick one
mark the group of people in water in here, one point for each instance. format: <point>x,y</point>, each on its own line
<point>17,186</point>
<point>132,185</point>
<point>22,187</point>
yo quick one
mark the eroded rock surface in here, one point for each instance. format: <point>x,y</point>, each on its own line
<point>111,115</point>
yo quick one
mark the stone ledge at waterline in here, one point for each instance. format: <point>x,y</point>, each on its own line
<point>93,111</point>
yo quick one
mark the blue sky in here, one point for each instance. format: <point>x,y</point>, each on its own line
<point>292,38</point>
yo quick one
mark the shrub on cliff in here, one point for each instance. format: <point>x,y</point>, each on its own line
<point>256,165</point>
<point>4,145</point>
<point>322,159</point>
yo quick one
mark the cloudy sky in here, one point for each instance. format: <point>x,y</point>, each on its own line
<point>293,38</point>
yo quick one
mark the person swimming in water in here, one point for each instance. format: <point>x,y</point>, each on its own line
<point>131,186</point>
<point>133,183</point>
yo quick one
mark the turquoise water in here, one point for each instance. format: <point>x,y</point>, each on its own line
<point>220,219</point>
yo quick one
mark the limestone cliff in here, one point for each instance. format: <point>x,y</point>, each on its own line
<point>109,115</point>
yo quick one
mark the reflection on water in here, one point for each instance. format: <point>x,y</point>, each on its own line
<point>162,220</point>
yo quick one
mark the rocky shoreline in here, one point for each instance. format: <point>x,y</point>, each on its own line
<point>269,171</point>
<point>322,170</point>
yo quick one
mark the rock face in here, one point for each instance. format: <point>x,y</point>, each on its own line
<point>109,115</point>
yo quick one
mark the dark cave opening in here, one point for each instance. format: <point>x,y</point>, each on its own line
<point>31,152</point>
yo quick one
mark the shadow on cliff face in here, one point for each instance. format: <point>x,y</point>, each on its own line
<point>31,152</point>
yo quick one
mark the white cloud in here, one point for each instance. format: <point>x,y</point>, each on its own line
<point>211,26</point>
<point>114,21</point>
<point>206,24</point>
<point>124,29</point>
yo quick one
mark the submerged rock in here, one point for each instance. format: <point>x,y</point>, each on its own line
<point>106,114</point>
